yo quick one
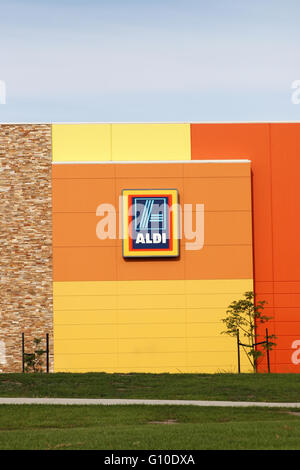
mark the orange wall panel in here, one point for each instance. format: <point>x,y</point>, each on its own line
<point>80,255</point>
<point>78,229</point>
<point>82,195</point>
<point>150,269</point>
<point>274,153</point>
<point>288,314</point>
<point>216,170</point>
<point>82,170</point>
<point>219,262</point>
<point>219,193</point>
<point>84,264</point>
<point>149,170</point>
<point>287,287</point>
<point>285,150</point>
<point>251,141</point>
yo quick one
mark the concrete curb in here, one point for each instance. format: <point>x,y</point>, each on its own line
<point>116,401</point>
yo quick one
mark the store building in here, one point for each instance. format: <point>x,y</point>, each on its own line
<point>72,195</point>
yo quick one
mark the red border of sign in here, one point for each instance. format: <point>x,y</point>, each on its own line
<point>130,217</point>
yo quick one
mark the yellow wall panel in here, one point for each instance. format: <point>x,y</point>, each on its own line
<point>225,361</point>
<point>84,302</point>
<point>218,344</point>
<point>144,287</point>
<point>151,301</point>
<point>137,142</point>
<point>205,329</point>
<point>81,346</point>
<point>208,300</point>
<point>81,142</point>
<point>85,288</point>
<point>166,326</point>
<point>86,362</point>
<point>84,331</point>
<point>152,360</point>
<point>76,317</point>
<point>211,286</point>
<point>151,345</point>
<point>157,316</point>
<point>120,142</point>
<point>227,368</point>
<point>151,330</point>
<point>195,315</point>
<point>218,286</point>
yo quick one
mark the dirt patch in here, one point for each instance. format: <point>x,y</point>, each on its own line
<point>167,421</point>
<point>59,446</point>
<point>131,387</point>
<point>140,386</point>
<point>10,382</point>
<point>293,413</point>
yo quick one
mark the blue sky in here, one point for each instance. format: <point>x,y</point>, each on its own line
<point>149,60</point>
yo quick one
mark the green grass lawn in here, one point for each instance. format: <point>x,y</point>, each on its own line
<point>58,427</point>
<point>235,387</point>
<point>150,427</point>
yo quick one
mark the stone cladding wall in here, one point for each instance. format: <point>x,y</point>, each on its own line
<point>25,241</point>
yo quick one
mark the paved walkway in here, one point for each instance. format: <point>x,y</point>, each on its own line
<point>115,401</point>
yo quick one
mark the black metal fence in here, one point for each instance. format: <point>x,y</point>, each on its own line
<point>238,351</point>
<point>250,346</point>
<point>46,352</point>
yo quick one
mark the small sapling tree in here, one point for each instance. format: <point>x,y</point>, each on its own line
<point>33,362</point>
<point>243,316</point>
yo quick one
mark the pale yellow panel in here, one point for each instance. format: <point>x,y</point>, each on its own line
<point>212,286</point>
<point>150,370</point>
<point>151,301</point>
<point>228,368</point>
<point>205,344</point>
<point>145,326</point>
<point>85,288</point>
<point>137,142</point>
<point>196,315</point>
<point>126,369</point>
<point>151,345</point>
<point>81,142</point>
<point>152,316</point>
<point>84,302</point>
<point>212,358</point>
<point>81,346</point>
<point>170,330</point>
<point>145,287</point>
<point>210,300</point>
<point>165,360</point>
<point>219,286</point>
<point>89,362</point>
<point>86,332</point>
<point>78,317</point>
<point>204,329</point>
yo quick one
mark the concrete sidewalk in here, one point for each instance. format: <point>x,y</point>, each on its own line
<point>116,401</point>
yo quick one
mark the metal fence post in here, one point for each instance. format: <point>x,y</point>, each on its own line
<point>238,348</point>
<point>23,353</point>
<point>268,356</point>
<point>47,352</point>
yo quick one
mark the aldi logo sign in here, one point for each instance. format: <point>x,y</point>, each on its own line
<point>150,222</point>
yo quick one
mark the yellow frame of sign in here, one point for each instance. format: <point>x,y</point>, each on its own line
<point>174,218</point>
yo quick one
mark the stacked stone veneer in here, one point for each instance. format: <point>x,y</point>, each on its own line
<point>25,241</point>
